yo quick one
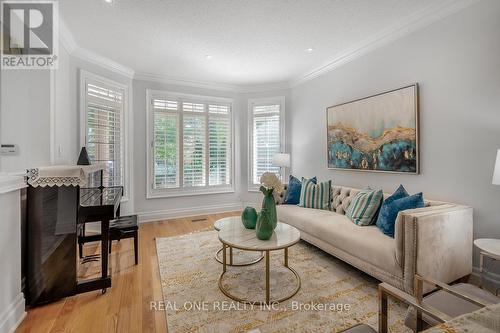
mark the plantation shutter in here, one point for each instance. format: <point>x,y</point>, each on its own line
<point>266,139</point>
<point>104,129</point>
<point>191,148</point>
<point>219,144</point>
<point>194,146</point>
<point>165,144</point>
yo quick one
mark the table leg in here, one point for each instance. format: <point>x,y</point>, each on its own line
<point>481,262</point>
<point>267,279</point>
<point>286,257</point>
<point>230,255</point>
<point>104,247</point>
<point>224,258</point>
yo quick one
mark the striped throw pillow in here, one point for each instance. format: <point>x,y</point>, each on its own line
<point>364,207</point>
<point>315,195</point>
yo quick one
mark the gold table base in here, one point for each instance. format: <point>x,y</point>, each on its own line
<point>231,263</point>
<point>268,291</point>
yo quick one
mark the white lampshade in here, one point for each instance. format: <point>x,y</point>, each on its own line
<point>496,172</point>
<point>281,160</point>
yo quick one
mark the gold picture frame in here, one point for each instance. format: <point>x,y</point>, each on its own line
<point>378,133</point>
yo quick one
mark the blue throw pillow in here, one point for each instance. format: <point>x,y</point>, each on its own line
<point>292,196</point>
<point>381,215</point>
<point>389,212</point>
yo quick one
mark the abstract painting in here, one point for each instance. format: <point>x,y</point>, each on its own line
<point>376,133</point>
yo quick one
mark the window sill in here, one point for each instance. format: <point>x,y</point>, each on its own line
<point>174,194</point>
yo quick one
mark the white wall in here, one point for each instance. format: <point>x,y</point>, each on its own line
<point>65,118</point>
<point>11,297</point>
<point>457,64</point>
<point>25,118</point>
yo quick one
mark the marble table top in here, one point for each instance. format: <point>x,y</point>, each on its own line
<point>489,245</point>
<point>219,224</point>
<point>237,236</point>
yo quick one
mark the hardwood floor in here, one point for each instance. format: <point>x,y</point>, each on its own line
<point>126,305</point>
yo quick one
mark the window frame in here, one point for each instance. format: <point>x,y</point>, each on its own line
<point>256,102</point>
<point>89,77</point>
<point>181,191</point>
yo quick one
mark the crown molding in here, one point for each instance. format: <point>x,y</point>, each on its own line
<point>245,89</point>
<point>210,84</point>
<point>417,21</point>
<point>184,82</point>
<point>104,62</point>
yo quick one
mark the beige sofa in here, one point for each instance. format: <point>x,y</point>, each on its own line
<point>435,241</point>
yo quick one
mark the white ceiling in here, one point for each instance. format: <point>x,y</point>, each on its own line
<point>250,41</point>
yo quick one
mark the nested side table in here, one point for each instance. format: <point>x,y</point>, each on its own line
<point>228,222</point>
<point>489,248</point>
<point>236,236</point>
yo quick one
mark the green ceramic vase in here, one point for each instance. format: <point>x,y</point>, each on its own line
<point>264,228</point>
<point>249,218</point>
<point>269,204</point>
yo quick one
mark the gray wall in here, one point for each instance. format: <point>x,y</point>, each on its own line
<point>457,64</point>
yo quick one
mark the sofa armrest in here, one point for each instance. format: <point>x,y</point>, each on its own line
<point>435,242</point>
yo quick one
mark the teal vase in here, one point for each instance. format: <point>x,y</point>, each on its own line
<point>269,204</point>
<point>249,218</point>
<point>264,228</point>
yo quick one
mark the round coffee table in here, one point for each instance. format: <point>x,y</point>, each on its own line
<point>229,221</point>
<point>236,236</point>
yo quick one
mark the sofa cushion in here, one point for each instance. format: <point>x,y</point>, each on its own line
<point>315,195</point>
<point>292,196</point>
<point>367,243</point>
<point>385,209</point>
<point>364,206</point>
<point>387,218</point>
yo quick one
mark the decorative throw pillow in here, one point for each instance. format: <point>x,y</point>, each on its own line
<point>387,221</point>
<point>364,206</point>
<point>292,196</point>
<point>315,195</point>
<point>384,209</point>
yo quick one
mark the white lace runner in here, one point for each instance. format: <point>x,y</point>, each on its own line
<point>62,175</point>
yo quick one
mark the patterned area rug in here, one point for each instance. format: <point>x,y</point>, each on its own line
<point>333,296</point>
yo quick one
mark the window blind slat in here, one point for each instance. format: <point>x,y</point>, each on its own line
<point>266,139</point>
<point>194,165</point>
<point>166,150</point>
<point>104,135</point>
<point>219,151</point>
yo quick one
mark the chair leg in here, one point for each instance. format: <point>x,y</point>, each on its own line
<point>136,247</point>
<point>109,246</point>
<point>80,249</point>
<point>81,238</point>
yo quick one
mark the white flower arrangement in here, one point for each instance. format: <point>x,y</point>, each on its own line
<point>270,180</point>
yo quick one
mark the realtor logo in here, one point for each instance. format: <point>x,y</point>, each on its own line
<point>29,34</point>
